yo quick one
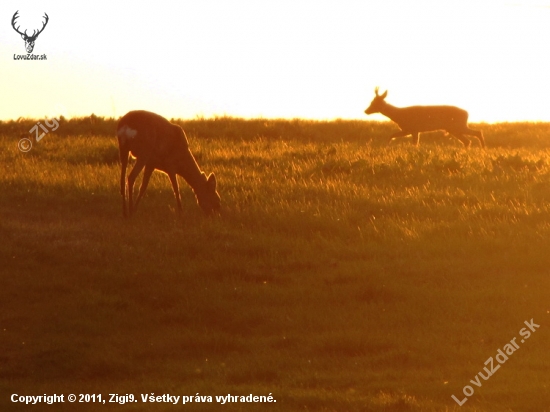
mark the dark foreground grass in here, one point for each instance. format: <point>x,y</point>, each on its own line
<point>343,275</point>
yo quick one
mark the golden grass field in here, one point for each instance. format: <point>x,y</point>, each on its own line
<point>345,273</point>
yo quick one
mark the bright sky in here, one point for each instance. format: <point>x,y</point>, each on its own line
<point>277,58</point>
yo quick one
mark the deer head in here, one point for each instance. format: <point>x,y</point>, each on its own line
<point>207,197</point>
<point>377,103</point>
<point>29,40</point>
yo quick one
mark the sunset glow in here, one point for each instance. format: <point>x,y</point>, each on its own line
<point>284,59</point>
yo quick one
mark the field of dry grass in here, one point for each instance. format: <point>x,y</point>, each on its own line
<point>345,273</point>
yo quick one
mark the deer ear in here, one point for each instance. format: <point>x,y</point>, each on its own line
<point>211,181</point>
<point>383,95</point>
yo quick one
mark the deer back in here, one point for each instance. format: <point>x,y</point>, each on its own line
<point>152,137</point>
<point>428,118</point>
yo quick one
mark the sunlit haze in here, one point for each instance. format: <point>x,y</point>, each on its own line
<point>277,59</point>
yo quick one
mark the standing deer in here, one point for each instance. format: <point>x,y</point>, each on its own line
<point>416,119</point>
<point>158,144</point>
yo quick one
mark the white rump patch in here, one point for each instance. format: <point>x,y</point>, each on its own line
<point>126,132</point>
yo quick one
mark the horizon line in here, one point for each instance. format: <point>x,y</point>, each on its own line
<point>254,118</point>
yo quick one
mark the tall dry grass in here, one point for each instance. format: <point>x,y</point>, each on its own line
<point>345,273</point>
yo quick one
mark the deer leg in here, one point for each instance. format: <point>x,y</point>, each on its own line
<point>400,133</point>
<point>144,182</point>
<point>416,138</point>
<point>138,167</point>
<point>174,181</point>
<point>123,164</point>
<point>478,134</point>
<point>465,141</point>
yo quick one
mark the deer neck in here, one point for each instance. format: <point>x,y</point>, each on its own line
<point>390,111</point>
<point>190,171</point>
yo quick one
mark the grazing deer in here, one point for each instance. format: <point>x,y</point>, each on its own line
<point>158,144</point>
<point>416,119</point>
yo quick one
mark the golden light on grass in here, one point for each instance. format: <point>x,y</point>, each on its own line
<point>293,291</point>
<point>344,273</point>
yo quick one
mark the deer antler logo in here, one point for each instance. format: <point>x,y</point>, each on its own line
<point>29,40</point>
